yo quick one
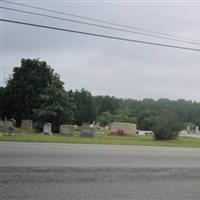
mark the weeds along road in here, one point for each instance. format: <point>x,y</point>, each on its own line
<point>77,171</point>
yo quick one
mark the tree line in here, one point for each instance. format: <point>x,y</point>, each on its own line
<point>34,91</point>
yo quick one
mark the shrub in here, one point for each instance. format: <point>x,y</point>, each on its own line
<point>120,132</point>
<point>164,133</point>
<point>167,128</point>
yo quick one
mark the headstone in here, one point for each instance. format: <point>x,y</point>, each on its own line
<point>47,128</point>
<point>188,129</point>
<point>149,133</point>
<point>197,130</point>
<point>27,124</point>
<point>91,125</point>
<point>128,128</point>
<point>10,126</point>
<point>141,133</point>
<point>107,127</point>
<point>183,133</point>
<point>75,126</point>
<point>97,125</point>
<point>67,129</point>
<point>87,131</point>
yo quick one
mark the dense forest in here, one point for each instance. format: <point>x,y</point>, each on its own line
<point>35,91</point>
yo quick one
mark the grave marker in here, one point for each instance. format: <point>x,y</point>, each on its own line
<point>47,128</point>
<point>67,129</point>
<point>87,132</point>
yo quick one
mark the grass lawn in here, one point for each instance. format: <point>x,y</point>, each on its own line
<point>102,138</point>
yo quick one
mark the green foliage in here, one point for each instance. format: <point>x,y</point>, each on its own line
<point>167,127</point>
<point>84,107</point>
<point>35,92</point>
<point>2,100</point>
<point>101,138</point>
<point>105,118</point>
<point>197,123</point>
<point>123,117</point>
<point>146,120</point>
<point>56,106</point>
<point>106,104</point>
<point>24,88</point>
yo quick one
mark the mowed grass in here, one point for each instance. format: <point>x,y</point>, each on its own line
<point>102,138</point>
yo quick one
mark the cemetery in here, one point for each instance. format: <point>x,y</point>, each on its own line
<point>76,116</point>
<point>116,133</point>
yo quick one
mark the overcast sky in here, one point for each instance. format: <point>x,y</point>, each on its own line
<point>104,66</point>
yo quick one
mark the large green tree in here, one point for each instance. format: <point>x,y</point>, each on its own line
<point>24,88</point>
<point>56,106</point>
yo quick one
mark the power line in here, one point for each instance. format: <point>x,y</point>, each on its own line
<point>155,15</point>
<point>97,25</point>
<point>100,35</point>
<point>101,21</point>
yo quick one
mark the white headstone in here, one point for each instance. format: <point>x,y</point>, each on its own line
<point>97,125</point>
<point>47,128</point>
<point>91,125</point>
<point>188,129</point>
<point>183,133</point>
<point>197,130</point>
<point>141,133</point>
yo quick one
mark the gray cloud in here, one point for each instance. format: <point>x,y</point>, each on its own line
<point>112,67</point>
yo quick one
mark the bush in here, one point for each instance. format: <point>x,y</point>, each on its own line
<point>164,133</point>
<point>38,126</point>
<point>167,128</point>
<point>120,132</point>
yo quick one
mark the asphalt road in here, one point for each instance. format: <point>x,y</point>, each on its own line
<point>73,171</point>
